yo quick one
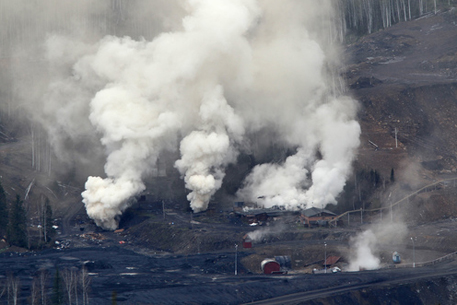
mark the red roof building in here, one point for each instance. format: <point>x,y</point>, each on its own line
<point>316,217</point>
<point>247,241</point>
<point>331,260</point>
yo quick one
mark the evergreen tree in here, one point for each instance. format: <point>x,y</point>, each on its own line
<point>16,231</point>
<point>377,178</point>
<point>114,298</point>
<point>57,291</point>
<point>3,211</point>
<point>46,220</point>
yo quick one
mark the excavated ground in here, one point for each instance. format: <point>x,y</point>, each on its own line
<point>405,78</point>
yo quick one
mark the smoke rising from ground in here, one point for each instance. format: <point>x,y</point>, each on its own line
<point>366,246</point>
<point>207,79</point>
<point>266,232</point>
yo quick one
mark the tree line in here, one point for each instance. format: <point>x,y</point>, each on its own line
<point>360,190</point>
<point>14,226</point>
<point>69,286</point>
<point>367,16</point>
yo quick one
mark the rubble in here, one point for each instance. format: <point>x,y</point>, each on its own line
<point>93,236</point>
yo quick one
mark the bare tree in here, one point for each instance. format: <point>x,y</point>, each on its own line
<point>85,285</point>
<point>35,291</point>
<point>13,286</point>
<point>67,281</point>
<point>3,287</point>
<point>70,279</point>
<point>42,213</point>
<point>43,278</point>
<point>45,216</point>
<point>75,287</point>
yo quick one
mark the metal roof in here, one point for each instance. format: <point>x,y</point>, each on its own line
<point>268,212</point>
<point>331,260</point>
<point>316,211</point>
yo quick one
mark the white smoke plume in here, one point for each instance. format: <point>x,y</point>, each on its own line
<point>367,245</point>
<point>214,74</point>
<point>153,89</point>
<point>364,254</point>
<point>329,129</point>
<point>206,152</point>
<point>265,232</point>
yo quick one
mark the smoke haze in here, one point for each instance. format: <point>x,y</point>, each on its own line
<point>366,246</point>
<point>125,81</point>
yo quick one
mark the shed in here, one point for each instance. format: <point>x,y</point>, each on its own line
<point>396,258</point>
<point>316,217</point>
<point>247,241</point>
<point>331,260</point>
<point>270,266</point>
<point>238,204</point>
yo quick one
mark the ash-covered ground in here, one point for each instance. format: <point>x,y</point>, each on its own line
<point>404,78</point>
<point>122,268</point>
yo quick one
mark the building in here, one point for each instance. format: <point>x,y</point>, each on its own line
<point>238,206</point>
<point>315,217</point>
<point>253,216</point>
<point>270,266</point>
<point>247,241</point>
<point>396,258</point>
<point>331,260</point>
<point>284,261</point>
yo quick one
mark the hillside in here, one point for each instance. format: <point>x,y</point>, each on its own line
<point>405,78</point>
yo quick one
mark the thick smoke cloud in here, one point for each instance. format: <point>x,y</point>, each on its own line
<point>207,80</point>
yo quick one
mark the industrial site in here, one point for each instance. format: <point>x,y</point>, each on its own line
<point>228,152</point>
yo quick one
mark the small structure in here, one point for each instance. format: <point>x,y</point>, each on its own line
<point>262,215</point>
<point>270,266</point>
<point>331,260</point>
<point>284,261</point>
<point>316,217</point>
<point>238,206</point>
<point>247,241</point>
<point>396,258</point>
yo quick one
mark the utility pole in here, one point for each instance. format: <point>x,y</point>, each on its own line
<point>163,209</point>
<point>325,261</point>
<point>414,254</point>
<point>396,142</point>
<point>236,259</point>
<point>391,214</point>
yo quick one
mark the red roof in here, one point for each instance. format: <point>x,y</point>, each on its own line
<point>331,260</point>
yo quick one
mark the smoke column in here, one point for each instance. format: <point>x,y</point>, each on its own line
<point>208,79</point>
<point>367,245</point>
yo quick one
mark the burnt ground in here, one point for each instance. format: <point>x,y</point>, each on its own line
<point>405,77</point>
<point>179,258</point>
<point>140,279</point>
<point>139,273</point>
